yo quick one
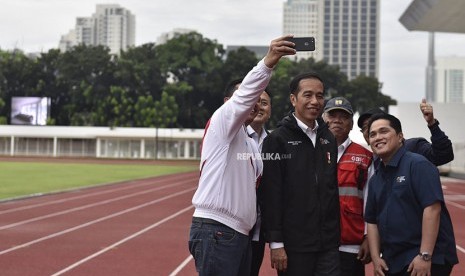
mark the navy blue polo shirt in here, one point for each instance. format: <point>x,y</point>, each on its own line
<point>397,195</point>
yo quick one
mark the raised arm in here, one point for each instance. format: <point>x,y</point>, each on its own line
<point>440,150</point>
<point>230,117</point>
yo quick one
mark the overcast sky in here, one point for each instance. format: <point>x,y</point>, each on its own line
<point>37,25</point>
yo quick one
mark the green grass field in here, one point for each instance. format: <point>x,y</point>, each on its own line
<point>26,178</point>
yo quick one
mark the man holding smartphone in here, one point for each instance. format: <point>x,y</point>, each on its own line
<point>225,200</point>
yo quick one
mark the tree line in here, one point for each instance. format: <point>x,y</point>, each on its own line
<point>176,84</point>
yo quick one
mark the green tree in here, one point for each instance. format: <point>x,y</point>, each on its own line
<point>161,114</point>
<point>17,78</point>
<point>238,63</point>
<point>116,109</point>
<point>144,112</point>
<point>85,75</point>
<point>197,61</point>
<point>364,93</point>
<point>279,90</point>
<point>47,83</point>
<point>166,111</point>
<point>138,70</point>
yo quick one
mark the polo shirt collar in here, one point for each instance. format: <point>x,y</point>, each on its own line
<point>395,160</point>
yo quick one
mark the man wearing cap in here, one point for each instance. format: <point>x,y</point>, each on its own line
<point>353,163</point>
<point>438,152</point>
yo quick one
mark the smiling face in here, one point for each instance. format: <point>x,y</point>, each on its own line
<point>264,110</point>
<point>308,100</point>
<point>384,140</point>
<point>340,124</point>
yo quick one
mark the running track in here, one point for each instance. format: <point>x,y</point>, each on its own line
<point>138,227</point>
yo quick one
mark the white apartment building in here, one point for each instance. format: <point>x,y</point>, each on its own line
<point>346,32</point>
<point>450,79</point>
<point>164,37</point>
<point>85,31</point>
<point>67,41</point>
<point>111,25</point>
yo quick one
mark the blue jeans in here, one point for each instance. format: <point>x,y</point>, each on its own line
<point>218,249</point>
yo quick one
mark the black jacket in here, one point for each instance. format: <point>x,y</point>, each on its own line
<point>438,152</point>
<point>298,193</point>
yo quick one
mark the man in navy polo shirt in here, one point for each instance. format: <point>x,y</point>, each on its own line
<point>409,227</point>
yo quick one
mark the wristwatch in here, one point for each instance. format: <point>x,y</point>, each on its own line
<point>425,256</point>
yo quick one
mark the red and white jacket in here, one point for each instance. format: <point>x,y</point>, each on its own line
<point>352,180</point>
<point>230,160</point>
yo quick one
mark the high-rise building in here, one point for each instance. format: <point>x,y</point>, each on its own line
<point>111,25</point>
<point>450,79</point>
<point>164,37</point>
<point>346,32</point>
<point>300,18</point>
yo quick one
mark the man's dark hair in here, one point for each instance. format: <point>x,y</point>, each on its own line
<point>367,114</point>
<point>231,87</point>
<point>269,94</point>
<point>393,121</point>
<point>294,85</point>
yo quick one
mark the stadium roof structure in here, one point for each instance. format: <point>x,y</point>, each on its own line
<point>435,16</point>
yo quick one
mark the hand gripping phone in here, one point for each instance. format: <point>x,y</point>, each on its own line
<point>303,43</point>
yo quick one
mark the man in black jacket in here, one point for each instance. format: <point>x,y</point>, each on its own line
<point>438,152</point>
<point>299,191</point>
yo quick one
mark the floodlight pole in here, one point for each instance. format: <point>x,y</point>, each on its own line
<point>156,142</point>
<point>430,93</point>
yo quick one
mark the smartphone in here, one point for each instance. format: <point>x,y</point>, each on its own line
<point>303,43</point>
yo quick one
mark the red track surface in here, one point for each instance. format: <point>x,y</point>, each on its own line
<point>139,227</point>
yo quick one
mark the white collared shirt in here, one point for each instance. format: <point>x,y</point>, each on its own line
<point>311,132</point>
<point>342,148</point>
<point>254,135</point>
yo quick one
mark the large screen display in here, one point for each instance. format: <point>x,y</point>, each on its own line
<point>29,110</point>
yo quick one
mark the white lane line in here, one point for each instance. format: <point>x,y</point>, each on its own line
<point>455,205</point>
<point>95,221</point>
<point>122,241</point>
<point>461,249</point>
<point>456,197</point>
<point>80,208</point>
<point>181,266</point>
<point>450,179</point>
<point>107,191</point>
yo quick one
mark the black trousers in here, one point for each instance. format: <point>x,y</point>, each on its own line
<point>258,250</point>
<point>350,265</point>
<point>323,263</point>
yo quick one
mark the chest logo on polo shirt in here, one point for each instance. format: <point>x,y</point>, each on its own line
<point>400,179</point>
<point>294,143</point>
